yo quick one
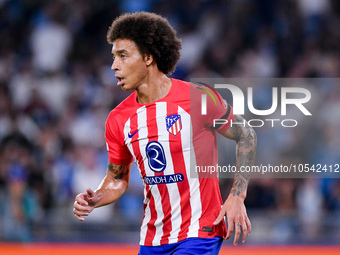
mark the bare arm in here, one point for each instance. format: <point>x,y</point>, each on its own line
<point>233,207</point>
<point>246,140</point>
<point>110,189</point>
<point>114,184</point>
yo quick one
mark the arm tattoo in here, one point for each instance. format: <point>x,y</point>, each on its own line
<point>118,171</point>
<point>245,155</point>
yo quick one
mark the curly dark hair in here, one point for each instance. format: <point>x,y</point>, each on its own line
<point>152,34</point>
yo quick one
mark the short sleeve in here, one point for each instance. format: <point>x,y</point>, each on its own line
<point>218,114</point>
<point>118,153</point>
<point>223,123</point>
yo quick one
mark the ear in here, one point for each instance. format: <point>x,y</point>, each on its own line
<point>148,59</point>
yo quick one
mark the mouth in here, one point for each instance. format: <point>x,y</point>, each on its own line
<point>120,80</point>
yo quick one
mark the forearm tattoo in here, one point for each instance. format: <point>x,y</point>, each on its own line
<point>245,154</point>
<point>118,171</point>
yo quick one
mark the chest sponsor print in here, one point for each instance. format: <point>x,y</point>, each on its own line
<point>156,156</point>
<point>163,179</point>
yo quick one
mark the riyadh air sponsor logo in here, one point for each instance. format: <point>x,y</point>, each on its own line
<point>163,179</point>
<point>156,156</point>
<point>157,163</point>
<point>173,124</point>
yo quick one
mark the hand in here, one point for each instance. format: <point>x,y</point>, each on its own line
<point>84,204</point>
<point>236,213</point>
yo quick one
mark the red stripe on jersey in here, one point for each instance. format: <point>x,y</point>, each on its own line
<point>165,200</point>
<point>151,232</point>
<point>136,149</point>
<point>152,136</point>
<point>163,190</point>
<point>183,187</point>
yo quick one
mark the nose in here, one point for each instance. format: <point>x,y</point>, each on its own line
<point>115,66</point>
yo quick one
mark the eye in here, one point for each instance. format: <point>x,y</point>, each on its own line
<point>123,56</point>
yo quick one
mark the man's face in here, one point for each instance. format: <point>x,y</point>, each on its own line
<point>128,64</point>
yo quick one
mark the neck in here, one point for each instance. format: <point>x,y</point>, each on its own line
<point>156,87</point>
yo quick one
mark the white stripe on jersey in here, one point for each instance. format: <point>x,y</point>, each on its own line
<point>143,132</point>
<point>127,130</point>
<point>178,125</point>
<point>194,184</point>
<point>160,215</point>
<point>174,196</point>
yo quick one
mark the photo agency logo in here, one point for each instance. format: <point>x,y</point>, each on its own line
<point>294,98</point>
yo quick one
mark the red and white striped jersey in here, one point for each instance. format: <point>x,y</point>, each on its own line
<point>167,143</point>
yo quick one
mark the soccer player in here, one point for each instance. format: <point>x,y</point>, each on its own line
<point>156,127</point>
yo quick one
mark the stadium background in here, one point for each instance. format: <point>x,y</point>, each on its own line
<point>56,89</point>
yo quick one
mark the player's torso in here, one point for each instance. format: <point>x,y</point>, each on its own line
<point>158,137</point>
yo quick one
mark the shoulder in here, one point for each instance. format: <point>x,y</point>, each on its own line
<point>203,88</point>
<point>180,85</point>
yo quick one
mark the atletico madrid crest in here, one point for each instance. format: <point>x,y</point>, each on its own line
<point>173,124</point>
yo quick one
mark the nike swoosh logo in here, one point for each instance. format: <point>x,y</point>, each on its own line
<point>131,135</point>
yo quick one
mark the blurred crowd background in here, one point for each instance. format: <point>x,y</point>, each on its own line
<point>56,90</point>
